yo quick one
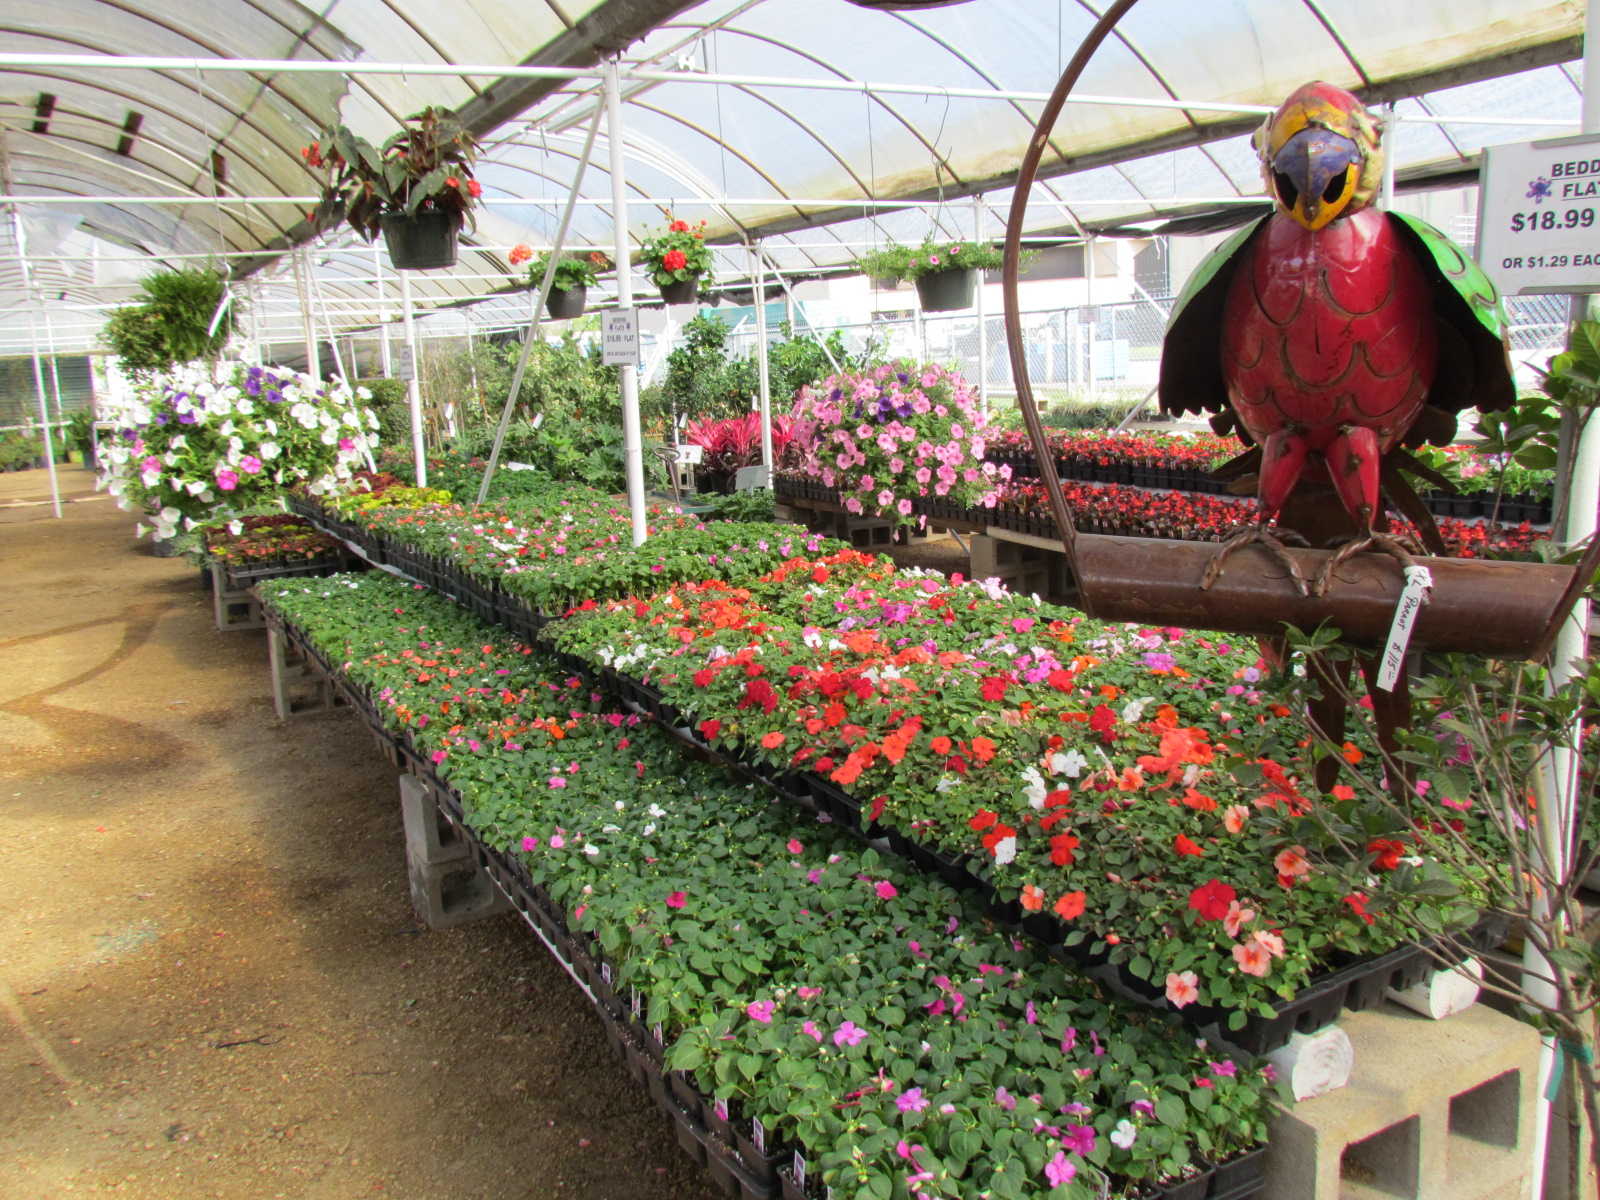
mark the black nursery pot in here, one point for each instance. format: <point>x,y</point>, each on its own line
<point>420,242</point>
<point>563,306</point>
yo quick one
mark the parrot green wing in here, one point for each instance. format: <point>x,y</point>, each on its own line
<point>1474,349</point>
<point>1191,352</point>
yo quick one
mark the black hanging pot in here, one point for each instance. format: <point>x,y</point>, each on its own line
<point>681,291</point>
<point>422,241</point>
<point>563,306</point>
<point>945,291</point>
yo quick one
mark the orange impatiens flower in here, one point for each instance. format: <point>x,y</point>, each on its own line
<point>982,749</point>
<point>1184,844</point>
<point>1032,898</point>
<point>1069,906</point>
<point>1290,864</point>
<point>1351,754</point>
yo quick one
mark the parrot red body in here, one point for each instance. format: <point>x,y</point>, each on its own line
<point>1328,351</point>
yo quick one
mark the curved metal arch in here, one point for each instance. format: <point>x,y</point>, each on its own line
<point>1327,24</point>
<point>138,169</point>
<point>57,165</point>
<point>1422,103</point>
<point>731,149</point>
<point>132,217</point>
<point>77,81</point>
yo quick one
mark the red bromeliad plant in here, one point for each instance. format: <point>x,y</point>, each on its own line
<point>735,442</point>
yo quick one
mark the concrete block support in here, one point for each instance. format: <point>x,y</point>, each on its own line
<point>297,688</point>
<point>233,610</point>
<point>448,887</point>
<point>1026,565</point>
<point>1434,1110</point>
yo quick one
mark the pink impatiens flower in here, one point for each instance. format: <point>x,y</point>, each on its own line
<point>530,843</point>
<point>848,1034</point>
<point>1058,1172</point>
<point>794,846</point>
<point>911,1100</point>
<point>885,890</point>
<point>676,899</point>
<point>760,1010</point>
<point>1253,958</point>
<point>227,480</point>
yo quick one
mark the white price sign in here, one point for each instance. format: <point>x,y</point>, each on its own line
<point>619,337</point>
<point>405,366</point>
<point>1539,215</point>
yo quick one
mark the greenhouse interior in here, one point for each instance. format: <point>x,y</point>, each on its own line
<point>962,599</point>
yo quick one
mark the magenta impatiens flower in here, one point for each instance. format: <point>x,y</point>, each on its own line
<point>227,480</point>
<point>810,1030</point>
<point>530,843</point>
<point>911,1100</point>
<point>1079,1139</point>
<point>795,846</point>
<point>1058,1172</point>
<point>886,890</point>
<point>848,1034</point>
<point>760,1010</point>
<point>676,899</point>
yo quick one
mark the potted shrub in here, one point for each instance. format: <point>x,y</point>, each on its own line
<point>676,259</point>
<point>575,274</point>
<point>417,188</point>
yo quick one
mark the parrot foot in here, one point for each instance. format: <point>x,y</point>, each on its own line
<point>1272,542</point>
<point>1371,540</point>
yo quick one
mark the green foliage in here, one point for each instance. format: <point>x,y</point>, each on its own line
<point>572,271</point>
<point>19,451</point>
<point>79,434</point>
<point>757,504</point>
<point>896,262</point>
<point>169,325</point>
<point>701,382</point>
<point>390,402</point>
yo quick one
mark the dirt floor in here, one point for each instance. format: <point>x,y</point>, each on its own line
<point>212,983</point>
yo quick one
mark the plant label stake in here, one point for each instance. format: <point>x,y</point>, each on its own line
<point>799,1170</point>
<point>1419,584</point>
<point>636,1003</point>
<point>758,1134</point>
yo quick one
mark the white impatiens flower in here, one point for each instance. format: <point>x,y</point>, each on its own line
<point>1005,850</point>
<point>1034,786</point>
<point>1124,1135</point>
<point>1133,710</point>
<point>1068,763</point>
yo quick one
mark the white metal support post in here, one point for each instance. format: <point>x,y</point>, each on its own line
<point>763,371</point>
<point>21,238</point>
<point>307,330</point>
<point>983,325</point>
<point>419,454</point>
<point>632,440</point>
<point>385,354</point>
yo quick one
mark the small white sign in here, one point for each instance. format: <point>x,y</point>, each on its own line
<point>1539,215</point>
<point>405,366</point>
<point>691,456</point>
<point>619,337</point>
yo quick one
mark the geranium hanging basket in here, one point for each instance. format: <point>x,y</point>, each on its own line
<point>681,291</point>
<point>422,241</point>
<point>945,291</point>
<point>563,306</point>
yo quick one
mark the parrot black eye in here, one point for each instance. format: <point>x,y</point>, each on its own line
<point>1336,186</point>
<point>1287,192</point>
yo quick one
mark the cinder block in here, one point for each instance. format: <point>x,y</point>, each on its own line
<point>233,610</point>
<point>298,688</point>
<point>1025,569</point>
<point>448,894</point>
<point>431,837</point>
<point>1434,1110</point>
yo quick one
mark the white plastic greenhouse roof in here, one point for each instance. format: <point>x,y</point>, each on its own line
<point>129,140</point>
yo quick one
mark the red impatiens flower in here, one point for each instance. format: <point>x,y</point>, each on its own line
<point>1184,844</point>
<point>1388,852</point>
<point>1069,906</point>
<point>1212,900</point>
<point>703,677</point>
<point>1062,846</point>
<point>994,688</point>
<point>983,819</point>
<point>1102,719</point>
<point>1358,905</point>
<point>674,260</point>
<point>710,727</point>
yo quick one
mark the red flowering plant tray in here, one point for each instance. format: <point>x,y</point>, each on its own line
<point>1135,785</point>
<point>248,549</point>
<point>788,996</point>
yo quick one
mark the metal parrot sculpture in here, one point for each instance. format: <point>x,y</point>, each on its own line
<point>1331,335</point>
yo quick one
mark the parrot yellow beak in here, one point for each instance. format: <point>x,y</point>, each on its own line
<point>1315,174</point>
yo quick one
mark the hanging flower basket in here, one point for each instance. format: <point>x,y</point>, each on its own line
<point>422,241</point>
<point>563,306</point>
<point>944,291</point>
<point>680,291</point>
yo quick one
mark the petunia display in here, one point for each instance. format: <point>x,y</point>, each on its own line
<point>893,435</point>
<point>203,443</point>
